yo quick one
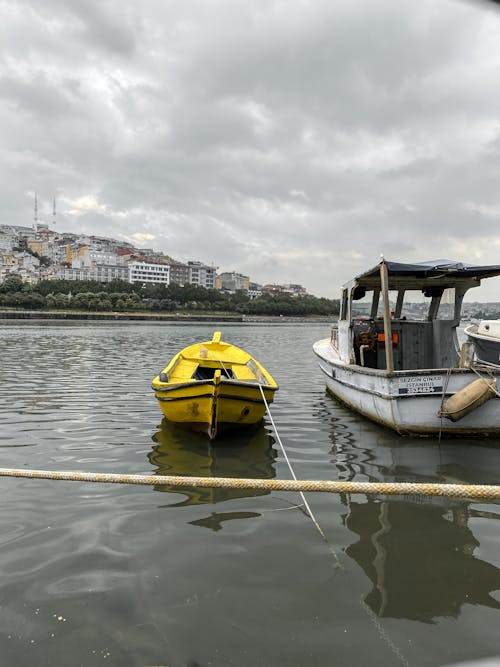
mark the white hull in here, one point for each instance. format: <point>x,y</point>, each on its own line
<point>486,341</point>
<point>407,401</point>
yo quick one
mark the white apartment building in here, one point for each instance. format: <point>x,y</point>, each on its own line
<point>254,292</point>
<point>8,239</point>
<point>202,275</point>
<point>102,273</point>
<point>92,258</point>
<point>147,272</point>
<point>232,281</point>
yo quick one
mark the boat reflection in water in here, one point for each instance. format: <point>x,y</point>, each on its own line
<point>419,554</point>
<point>247,453</point>
<point>420,558</point>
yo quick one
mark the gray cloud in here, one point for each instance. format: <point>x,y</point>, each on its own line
<point>292,142</point>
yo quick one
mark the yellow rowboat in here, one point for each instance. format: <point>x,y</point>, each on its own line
<point>212,386</point>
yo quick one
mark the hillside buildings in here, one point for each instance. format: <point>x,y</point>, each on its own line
<point>40,253</point>
<point>146,272</point>
<point>232,282</point>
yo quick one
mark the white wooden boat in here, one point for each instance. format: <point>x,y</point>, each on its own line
<point>423,382</point>
<point>485,340</point>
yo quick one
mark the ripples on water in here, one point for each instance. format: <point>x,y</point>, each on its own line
<point>163,576</point>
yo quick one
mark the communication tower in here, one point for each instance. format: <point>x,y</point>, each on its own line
<point>35,220</point>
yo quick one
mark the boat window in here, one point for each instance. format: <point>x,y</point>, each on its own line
<point>393,299</point>
<point>446,309</point>
<point>361,307</point>
<point>415,306</point>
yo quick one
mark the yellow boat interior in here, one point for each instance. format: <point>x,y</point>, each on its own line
<point>211,361</point>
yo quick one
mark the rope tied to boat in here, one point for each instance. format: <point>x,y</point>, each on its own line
<point>470,491</point>
<point>308,509</point>
<point>491,376</point>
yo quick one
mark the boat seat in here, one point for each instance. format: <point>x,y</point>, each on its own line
<point>243,374</point>
<point>182,371</point>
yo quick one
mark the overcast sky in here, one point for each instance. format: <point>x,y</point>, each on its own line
<point>292,141</point>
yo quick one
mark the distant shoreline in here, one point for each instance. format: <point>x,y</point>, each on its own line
<point>153,317</point>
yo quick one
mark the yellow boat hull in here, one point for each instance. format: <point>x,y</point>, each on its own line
<point>201,405</point>
<point>233,395</point>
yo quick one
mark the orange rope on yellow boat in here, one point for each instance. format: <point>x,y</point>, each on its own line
<point>472,491</point>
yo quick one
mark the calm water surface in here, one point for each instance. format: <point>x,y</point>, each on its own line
<point>120,575</point>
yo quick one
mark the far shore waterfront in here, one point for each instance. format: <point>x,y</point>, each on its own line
<point>7,314</point>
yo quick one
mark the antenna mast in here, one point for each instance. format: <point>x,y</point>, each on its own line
<point>35,220</point>
<point>54,211</point>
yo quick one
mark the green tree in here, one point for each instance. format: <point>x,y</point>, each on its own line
<point>11,284</point>
<point>24,300</point>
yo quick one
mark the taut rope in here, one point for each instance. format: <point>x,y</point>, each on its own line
<point>304,501</point>
<point>285,456</point>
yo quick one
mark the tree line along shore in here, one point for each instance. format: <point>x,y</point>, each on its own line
<point>122,297</point>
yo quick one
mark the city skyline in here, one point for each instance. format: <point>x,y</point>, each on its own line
<point>72,256</point>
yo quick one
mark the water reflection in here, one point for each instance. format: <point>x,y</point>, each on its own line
<point>419,553</point>
<point>247,453</point>
<point>420,559</point>
<point>216,519</point>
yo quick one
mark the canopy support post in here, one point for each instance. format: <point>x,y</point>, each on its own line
<point>384,281</point>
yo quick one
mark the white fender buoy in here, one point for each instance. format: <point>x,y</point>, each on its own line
<point>468,399</point>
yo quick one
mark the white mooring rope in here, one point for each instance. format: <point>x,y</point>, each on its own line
<point>292,472</point>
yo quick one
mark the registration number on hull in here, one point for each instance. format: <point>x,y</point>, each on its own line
<point>422,384</point>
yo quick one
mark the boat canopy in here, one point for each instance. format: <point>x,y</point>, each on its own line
<point>439,272</point>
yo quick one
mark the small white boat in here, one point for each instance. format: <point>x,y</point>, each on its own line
<point>485,339</point>
<point>422,382</point>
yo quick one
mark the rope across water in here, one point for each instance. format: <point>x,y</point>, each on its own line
<point>472,491</point>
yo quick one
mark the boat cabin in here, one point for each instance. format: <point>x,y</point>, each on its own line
<point>405,316</point>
